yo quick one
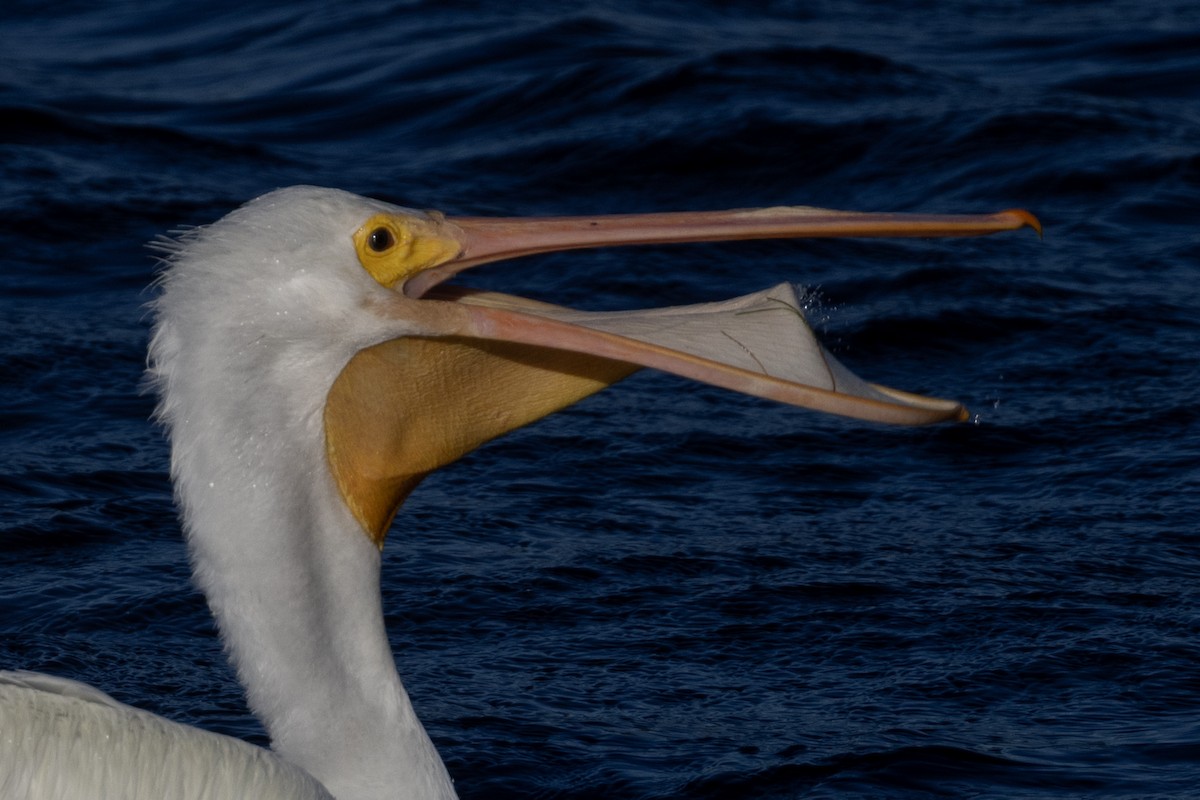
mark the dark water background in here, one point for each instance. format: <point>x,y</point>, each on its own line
<point>668,591</point>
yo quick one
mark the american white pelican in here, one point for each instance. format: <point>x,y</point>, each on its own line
<point>311,370</point>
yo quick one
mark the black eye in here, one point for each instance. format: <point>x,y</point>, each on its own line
<point>380,240</point>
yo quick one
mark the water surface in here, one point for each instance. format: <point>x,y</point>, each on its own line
<point>668,590</point>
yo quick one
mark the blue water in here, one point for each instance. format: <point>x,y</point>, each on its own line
<point>668,591</point>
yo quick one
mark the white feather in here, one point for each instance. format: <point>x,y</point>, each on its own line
<point>258,315</point>
<point>65,740</point>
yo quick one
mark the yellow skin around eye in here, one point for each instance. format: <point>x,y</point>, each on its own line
<point>416,244</point>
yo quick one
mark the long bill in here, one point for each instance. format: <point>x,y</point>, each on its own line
<point>483,240</point>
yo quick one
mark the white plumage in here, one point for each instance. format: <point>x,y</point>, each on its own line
<point>44,719</point>
<point>257,316</point>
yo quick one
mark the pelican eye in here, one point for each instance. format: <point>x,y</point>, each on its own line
<point>394,246</point>
<point>381,240</point>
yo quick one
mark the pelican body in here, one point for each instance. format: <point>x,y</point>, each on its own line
<point>312,367</point>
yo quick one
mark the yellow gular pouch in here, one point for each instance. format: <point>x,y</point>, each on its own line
<point>394,247</point>
<point>383,433</point>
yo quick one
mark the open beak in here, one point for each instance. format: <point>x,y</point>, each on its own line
<point>736,345</point>
<point>497,361</point>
